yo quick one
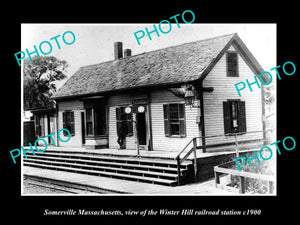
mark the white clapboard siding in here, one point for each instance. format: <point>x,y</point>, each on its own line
<point>114,102</point>
<point>224,89</point>
<point>160,141</point>
<point>77,108</point>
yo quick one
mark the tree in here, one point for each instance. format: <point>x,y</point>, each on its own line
<point>39,77</point>
<point>269,95</point>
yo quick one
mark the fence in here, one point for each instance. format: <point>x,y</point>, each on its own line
<point>191,147</point>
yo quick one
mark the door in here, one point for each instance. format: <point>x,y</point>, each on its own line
<point>141,128</point>
<point>82,128</point>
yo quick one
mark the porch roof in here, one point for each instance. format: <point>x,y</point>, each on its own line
<point>42,110</point>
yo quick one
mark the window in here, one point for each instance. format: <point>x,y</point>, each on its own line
<point>89,121</point>
<point>95,117</point>
<point>68,122</point>
<point>127,117</point>
<point>232,64</point>
<point>234,116</point>
<point>100,119</point>
<point>39,126</point>
<point>174,120</point>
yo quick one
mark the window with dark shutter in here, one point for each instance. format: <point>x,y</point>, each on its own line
<point>232,64</point>
<point>89,121</point>
<point>68,122</point>
<point>127,117</point>
<point>174,120</point>
<point>95,117</point>
<point>234,113</point>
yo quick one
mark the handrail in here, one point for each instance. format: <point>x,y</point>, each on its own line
<point>193,149</point>
<point>178,155</point>
<point>219,135</point>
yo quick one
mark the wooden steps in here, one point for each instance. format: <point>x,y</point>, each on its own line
<point>150,170</point>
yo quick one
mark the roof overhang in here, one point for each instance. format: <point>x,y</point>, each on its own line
<point>42,111</point>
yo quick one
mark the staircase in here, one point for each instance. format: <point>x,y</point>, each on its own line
<point>150,170</point>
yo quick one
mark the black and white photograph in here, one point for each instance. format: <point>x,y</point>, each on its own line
<point>145,113</point>
<point>149,109</point>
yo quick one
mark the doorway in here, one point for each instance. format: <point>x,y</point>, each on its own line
<point>141,128</point>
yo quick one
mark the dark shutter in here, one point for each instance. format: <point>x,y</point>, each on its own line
<point>166,120</point>
<point>226,115</point>
<point>182,129</point>
<point>242,117</point>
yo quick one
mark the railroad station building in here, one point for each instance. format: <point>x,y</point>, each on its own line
<point>175,94</point>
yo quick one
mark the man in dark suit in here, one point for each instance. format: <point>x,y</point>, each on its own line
<point>122,132</point>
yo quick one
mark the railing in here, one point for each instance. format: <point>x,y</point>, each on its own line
<point>218,170</point>
<point>192,149</point>
<point>180,161</point>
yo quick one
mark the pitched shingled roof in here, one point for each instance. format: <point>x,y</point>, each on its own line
<point>172,65</point>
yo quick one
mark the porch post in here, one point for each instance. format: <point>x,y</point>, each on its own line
<point>195,158</point>
<point>202,124</point>
<point>136,134</point>
<point>236,146</point>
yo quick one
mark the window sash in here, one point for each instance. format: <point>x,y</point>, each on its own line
<point>89,121</point>
<point>68,122</point>
<point>232,64</point>
<point>234,116</point>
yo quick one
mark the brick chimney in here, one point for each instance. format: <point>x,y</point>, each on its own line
<point>118,47</point>
<point>127,52</point>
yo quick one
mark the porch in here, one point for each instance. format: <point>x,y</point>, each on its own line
<point>154,167</point>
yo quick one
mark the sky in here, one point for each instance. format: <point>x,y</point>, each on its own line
<point>95,42</point>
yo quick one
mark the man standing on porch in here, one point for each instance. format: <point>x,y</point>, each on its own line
<point>122,132</point>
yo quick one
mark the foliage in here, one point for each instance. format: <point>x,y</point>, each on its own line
<point>269,95</point>
<point>255,186</point>
<point>39,77</point>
